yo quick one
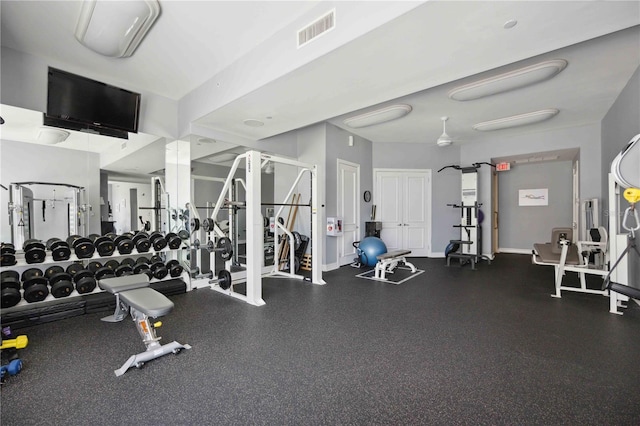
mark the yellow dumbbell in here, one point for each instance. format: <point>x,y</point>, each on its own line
<point>19,342</point>
<point>632,195</point>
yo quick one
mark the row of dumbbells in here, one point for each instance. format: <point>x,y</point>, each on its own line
<point>35,251</point>
<point>38,284</point>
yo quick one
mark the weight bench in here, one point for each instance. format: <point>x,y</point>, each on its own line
<point>387,262</point>
<point>134,295</point>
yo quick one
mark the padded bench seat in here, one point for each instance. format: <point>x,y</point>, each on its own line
<point>124,283</point>
<point>548,254</point>
<point>393,254</point>
<point>148,301</point>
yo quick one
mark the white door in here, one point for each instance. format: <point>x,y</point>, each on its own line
<point>404,202</point>
<point>348,210</point>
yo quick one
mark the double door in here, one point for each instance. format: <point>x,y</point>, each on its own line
<point>403,199</point>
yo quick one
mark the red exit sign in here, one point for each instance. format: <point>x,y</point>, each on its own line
<point>502,167</point>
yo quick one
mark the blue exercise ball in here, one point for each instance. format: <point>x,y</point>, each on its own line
<point>369,249</point>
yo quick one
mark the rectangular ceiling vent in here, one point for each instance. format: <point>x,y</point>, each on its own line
<point>318,27</point>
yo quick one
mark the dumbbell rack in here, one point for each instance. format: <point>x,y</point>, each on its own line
<point>22,265</point>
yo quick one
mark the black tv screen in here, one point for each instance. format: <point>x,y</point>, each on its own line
<point>79,103</point>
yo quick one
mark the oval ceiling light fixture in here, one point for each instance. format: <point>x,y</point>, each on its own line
<point>252,122</point>
<point>516,120</point>
<point>379,116</point>
<point>115,28</point>
<point>509,81</point>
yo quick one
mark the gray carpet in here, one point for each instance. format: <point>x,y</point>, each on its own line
<point>452,346</point>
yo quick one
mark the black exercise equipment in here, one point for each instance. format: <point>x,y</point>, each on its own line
<point>104,246</point>
<point>157,240</point>
<point>94,266</point>
<point>128,261</point>
<point>112,264</point>
<point>7,254</point>
<point>224,247</point>
<point>104,272</point>
<point>208,224</point>
<point>111,235</point>
<point>34,251</point>
<point>52,270</point>
<point>142,259</point>
<point>159,270</point>
<point>60,250</point>
<point>224,279</point>
<point>143,268</point>
<point>173,241</point>
<point>175,269</point>
<point>76,267</point>
<point>85,281</point>
<point>183,234</point>
<point>61,285</point>
<point>194,224</point>
<point>124,244</point>
<point>83,247</point>
<point>10,289</point>
<point>35,288</point>
<point>141,242</point>
<point>31,273</point>
<point>123,270</point>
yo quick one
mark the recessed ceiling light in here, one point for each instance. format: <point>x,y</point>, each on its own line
<point>379,116</point>
<point>205,140</point>
<point>51,136</point>
<point>516,120</point>
<point>252,122</point>
<point>509,81</point>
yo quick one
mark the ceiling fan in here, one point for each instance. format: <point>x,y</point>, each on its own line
<point>444,139</point>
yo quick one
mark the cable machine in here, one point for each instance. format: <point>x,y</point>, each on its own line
<point>468,248</point>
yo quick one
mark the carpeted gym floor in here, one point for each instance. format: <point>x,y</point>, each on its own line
<point>451,346</point>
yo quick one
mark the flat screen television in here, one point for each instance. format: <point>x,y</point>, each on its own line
<point>79,103</point>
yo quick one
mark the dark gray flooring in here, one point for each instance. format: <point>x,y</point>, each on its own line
<point>452,346</point>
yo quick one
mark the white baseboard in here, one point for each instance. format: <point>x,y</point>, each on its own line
<point>330,267</point>
<point>514,250</point>
<point>437,254</point>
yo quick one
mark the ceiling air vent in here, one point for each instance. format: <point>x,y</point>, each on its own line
<point>318,27</point>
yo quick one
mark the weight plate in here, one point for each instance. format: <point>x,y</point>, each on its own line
<point>297,240</point>
<point>8,259</point>
<point>9,297</point>
<point>50,242</point>
<point>104,246</point>
<point>10,281</point>
<point>85,285</point>
<point>142,259</point>
<point>123,270</point>
<point>125,246</point>
<point>94,266</point>
<point>29,244</point>
<point>112,236</point>
<point>140,268</point>
<point>112,264</point>
<point>159,270</point>
<point>62,288</point>
<point>80,275</point>
<point>75,267</point>
<point>72,239</point>
<point>60,251</point>
<point>224,279</point>
<point>84,248</point>
<point>128,261</point>
<point>59,276</point>
<point>103,273</point>
<point>208,224</point>
<point>138,236</point>
<point>155,259</point>
<point>143,245</point>
<point>225,248</point>
<point>159,243</point>
<point>194,224</point>
<point>9,275</point>
<point>35,254</point>
<point>173,241</point>
<point>183,234</point>
<point>36,293</point>
<point>31,273</point>
<point>52,270</point>
<point>175,269</point>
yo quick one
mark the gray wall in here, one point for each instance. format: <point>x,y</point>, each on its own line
<point>360,153</point>
<point>48,164</point>
<point>445,186</point>
<point>522,226</point>
<point>586,138</point>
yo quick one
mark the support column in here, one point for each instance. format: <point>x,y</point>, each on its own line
<point>317,230</point>
<point>255,229</point>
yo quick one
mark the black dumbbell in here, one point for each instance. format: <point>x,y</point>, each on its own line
<point>103,273</point>
<point>159,270</point>
<point>94,266</point>
<point>85,281</point>
<point>141,242</point>
<point>143,268</point>
<point>124,244</point>
<point>52,270</point>
<point>156,258</point>
<point>10,282</point>
<point>123,270</point>
<point>112,264</point>
<point>105,246</point>
<point>61,285</point>
<point>34,251</point>
<point>35,285</point>
<point>111,235</point>
<point>142,259</point>
<point>173,241</point>
<point>175,269</point>
<point>82,247</point>
<point>157,240</point>
<point>59,249</point>
<point>93,237</point>
<point>7,254</point>
<point>128,261</point>
<point>74,268</point>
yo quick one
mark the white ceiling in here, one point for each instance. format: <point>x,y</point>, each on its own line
<point>415,58</point>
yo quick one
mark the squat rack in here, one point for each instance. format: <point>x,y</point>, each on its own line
<point>254,161</point>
